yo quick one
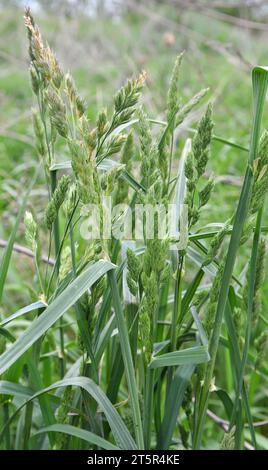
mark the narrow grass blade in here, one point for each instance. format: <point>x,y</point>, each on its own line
<point>226,401</point>
<point>132,182</point>
<point>259,82</point>
<point>236,359</point>
<point>15,389</point>
<point>199,326</point>
<point>191,290</point>
<point>22,311</point>
<point>194,355</point>
<point>104,337</point>
<point>173,404</point>
<point>7,335</point>
<point>80,433</point>
<point>118,428</point>
<point>250,301</point>
<point>105,165</point>
<point>128,361</point>
<point>181,179</point>
<point>54,311</point>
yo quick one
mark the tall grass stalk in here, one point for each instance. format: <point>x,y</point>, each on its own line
<point>128,362</point>
<point>259,84</point>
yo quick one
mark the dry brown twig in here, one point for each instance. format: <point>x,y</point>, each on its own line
<point>26,252</point>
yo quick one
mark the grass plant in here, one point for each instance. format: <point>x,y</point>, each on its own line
<point>124,341</point>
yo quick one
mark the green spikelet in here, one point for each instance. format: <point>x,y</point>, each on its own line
<point>35,80</point>
<point>61,191</point>
<point>114,145</point>
<point>128,152</point>
<point>109,179</point>
<point>31,233</point>
<point>126,99</point>
<point>259,277</point>
<point>184,433</point>
<point>102,123</point>
<point>200,297</point>
<point>56,201</point>
<point>154,263</point>
<point>239,324</point>
<point>187,108</point>
<point>201,141</point>
<point>88,135</point>
<point>260,189</point>
<point>134,270</point>
<point>262,157</point>
<point>145,330</point>
<point>145,145</point>
<point>74,97</point>
<point>261,345</point>
<point>42,57</point>
<point>85,173</point>
<point>190,174</point>
<point>155,256</point>
<point>187,401</point>
<point>228,441</point>
<point>40,140</point>
<point>172,98</point>
<point>149,156</point>
<point>66,263</point>
<point>128,420</point>
<point>30,25</point>
<point>260,174</point>
<point>127,155</point>
<point>96,293</point>
<point>86,305</point>
<point>195,167</point>
<point>146,314</point>
<point>247,230</point>
<point>216,243</point>
<point>57,112</point>
<point>189,167</point>
<point>50,215</point>
<point>70,201</point>
<point>205,193</point>
<point>62,416</point>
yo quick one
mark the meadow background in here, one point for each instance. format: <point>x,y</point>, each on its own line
<point>103,43</point>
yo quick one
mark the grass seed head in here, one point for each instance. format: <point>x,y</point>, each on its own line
<point>74,97</point>
<point>261,345</point>
<point>172,98</point>
<point>205,193</point>
<point>216,243</point>
<point>201,141</point>
<point>56,201</point>
<point>57,112</point>
<point>40,140</point>
<point>30,230</point>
